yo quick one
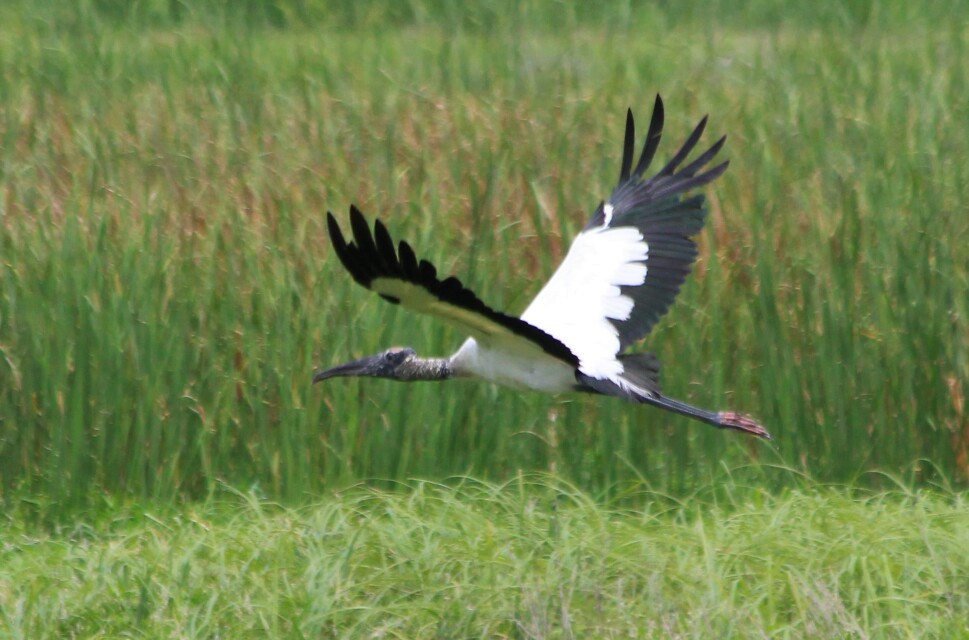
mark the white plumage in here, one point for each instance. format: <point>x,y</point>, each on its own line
<point>584,294</point>
<point>513,365</point>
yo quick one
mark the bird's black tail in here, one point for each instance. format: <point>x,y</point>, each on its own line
<point>639,383</point>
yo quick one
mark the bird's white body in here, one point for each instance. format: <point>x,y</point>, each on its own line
<point>575,307</point>
<point>518,369</point>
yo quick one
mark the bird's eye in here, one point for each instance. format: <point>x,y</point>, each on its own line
<point>396,356</point>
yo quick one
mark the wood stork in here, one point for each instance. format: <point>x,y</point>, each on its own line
<point>619,277</point>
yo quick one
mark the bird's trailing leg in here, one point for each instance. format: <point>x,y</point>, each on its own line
<point>742,422</point>
<point>640,384</point>
<point>720,419</point>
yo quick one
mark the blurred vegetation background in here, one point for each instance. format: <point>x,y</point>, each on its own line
<point>167,288</point>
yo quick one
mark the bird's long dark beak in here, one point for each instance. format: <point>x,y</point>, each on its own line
<point>361,367</point>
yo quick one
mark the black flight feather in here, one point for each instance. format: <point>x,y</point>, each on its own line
<point>652,137</point>
<point>628,147</point>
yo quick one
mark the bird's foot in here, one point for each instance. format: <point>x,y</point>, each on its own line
<point>741,422</point>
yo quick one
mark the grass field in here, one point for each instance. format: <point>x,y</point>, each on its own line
<point>533,558</point>
<point>167,291</point>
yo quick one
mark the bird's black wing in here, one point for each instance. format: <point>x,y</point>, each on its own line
<point>399,277</point>
<point>667,222</point>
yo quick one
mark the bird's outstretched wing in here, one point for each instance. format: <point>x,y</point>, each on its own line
<point>624,269</point>
<point>399,277</point>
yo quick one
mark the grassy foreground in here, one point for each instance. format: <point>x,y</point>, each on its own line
<point>533,558</point>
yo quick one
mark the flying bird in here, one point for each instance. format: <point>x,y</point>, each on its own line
<point>619,277</point>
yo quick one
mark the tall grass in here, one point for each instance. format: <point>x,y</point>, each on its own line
<point>531,558</point>
<point>167,289</point>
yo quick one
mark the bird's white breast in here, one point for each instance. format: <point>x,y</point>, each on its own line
<point>526,369</point>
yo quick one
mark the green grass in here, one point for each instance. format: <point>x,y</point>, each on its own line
<point>167,289</point>
<point>532,558</point>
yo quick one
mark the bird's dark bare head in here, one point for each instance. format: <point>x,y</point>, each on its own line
<point>391,363</point>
